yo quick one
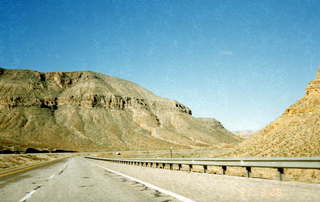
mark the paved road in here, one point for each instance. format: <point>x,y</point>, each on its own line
<point>80,179</point>
<point>74,179</point>
<point>218,188</point>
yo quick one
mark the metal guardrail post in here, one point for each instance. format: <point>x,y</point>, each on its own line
<point>190,167</point>
<point>179,166</point>
<point>224,170</point>
<point>280,173</point>
<point>171,166</point>
<point>248,169</point>
<point>205,168</point>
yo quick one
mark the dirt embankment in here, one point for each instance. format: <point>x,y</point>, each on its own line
<point>12,161</point>
<point>181,153</point>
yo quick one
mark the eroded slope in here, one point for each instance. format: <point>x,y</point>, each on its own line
<point>295,133</point>
<point>91,111</point>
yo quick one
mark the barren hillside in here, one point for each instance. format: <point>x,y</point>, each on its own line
<point>295,133</point>
<point>85,111</point>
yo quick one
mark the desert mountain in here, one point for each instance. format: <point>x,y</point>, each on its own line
<point>85,111</point>
<point>295,133</point>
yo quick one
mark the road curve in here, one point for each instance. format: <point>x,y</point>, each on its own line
<point>75,179</point>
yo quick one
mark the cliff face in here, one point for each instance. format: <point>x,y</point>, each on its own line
<point>91,111</point>
<point>295,133</point>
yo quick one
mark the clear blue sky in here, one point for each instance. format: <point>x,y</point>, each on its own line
<point>241,62</point>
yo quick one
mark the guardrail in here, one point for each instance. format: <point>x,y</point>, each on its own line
<point>279,163</point>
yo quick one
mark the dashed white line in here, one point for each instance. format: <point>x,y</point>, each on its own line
<point>52,176</point>
<point>27,196</point>
<point>175,195</point>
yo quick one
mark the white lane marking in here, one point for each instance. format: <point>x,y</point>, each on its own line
<point>52,176</point>
<point>65,166</point>
<point>27,196</point>
<point>63,169</point>
<point>177,196</point>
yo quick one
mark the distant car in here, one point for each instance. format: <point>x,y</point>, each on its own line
<point>118,153</point>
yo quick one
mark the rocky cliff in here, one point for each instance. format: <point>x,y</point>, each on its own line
<point>85,111</point>
<point>295,133</point>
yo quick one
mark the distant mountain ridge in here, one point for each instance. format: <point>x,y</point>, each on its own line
<point>86,111</point>
<point>244,133</point>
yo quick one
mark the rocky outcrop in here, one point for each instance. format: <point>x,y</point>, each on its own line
<point>295,133</point>
<point>89,101</point>
<point>92,111</point>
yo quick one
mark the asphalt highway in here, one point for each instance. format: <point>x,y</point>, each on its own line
<point>220,188</point>
<point>80,179</point>
<point>74,179</point>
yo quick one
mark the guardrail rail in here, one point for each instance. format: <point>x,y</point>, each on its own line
<point>279,163</point>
